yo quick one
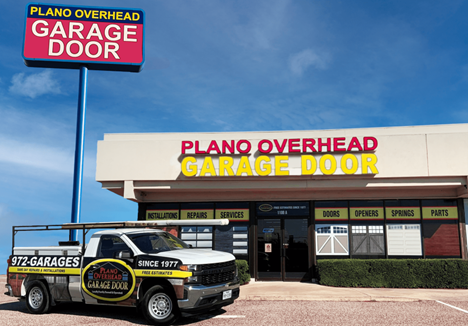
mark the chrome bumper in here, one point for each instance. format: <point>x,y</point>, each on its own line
<point>206,297</point>
<point>9,290</point>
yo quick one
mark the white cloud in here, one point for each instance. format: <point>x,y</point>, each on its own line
<point>36,156</point>
<point>34,85</point>
<point>300,62</point>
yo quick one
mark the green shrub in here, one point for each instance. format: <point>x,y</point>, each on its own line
<point>243,268</point>
<point>394,273</point>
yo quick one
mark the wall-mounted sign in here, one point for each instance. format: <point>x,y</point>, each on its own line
<point>162,214</point>
<point>64,36</point>
<point>439,210</point>
<point>307,156</point>
<point>402,210</point>
<point>331,211</point>
<point>283,209</point>
<point>268,247</point>
<point>196,214</point>
<point>234,212</point>
<point>366,210</point>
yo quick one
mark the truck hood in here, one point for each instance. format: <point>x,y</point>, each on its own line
<point>197,256</point>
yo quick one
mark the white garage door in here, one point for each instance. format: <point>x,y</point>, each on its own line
<point>331,239</point>
<point>404,239</point>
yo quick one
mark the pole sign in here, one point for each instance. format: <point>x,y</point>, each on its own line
<point>64,36</point>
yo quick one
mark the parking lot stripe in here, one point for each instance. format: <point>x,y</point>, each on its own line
<point>228,316</point>
<point>466,312</point>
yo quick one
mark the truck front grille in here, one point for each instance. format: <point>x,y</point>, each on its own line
<point>218,273</point>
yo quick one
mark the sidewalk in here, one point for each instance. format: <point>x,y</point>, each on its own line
<point>314,292</point>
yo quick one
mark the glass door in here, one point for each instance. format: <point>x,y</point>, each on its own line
<point>296,249</point>
<point>283,250</point>
<point>269,235</point>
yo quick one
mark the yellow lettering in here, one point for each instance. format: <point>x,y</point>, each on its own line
<point>79,13</point>
<point>102,15</point>
<point>127,16</point>
<point>369,161</point>
<point>50,12</point>
<point>95,14</point>
<point>279,164</point>
<point>244,166</point>
<point>67,12</point>
<point>354,163</point>
<point>111,15</point>
<point>119,15</point>
<point>264,169</point>
<point>135,16</point>
<point>33,10</point>
<point>207,167</point>
<point>225,166</point>
<point>191,169</point>
<point>40,12</point>
<point>58,12</point>
<point>323,160</point>
<point>305,159</point>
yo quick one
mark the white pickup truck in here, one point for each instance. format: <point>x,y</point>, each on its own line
<point>133,264</point>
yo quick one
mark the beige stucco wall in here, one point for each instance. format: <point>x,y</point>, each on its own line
<point>420,151</point>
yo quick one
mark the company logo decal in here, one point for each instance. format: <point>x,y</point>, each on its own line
<point>108,280</point>
<point>265,207</point>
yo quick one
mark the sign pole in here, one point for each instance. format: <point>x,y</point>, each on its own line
<point>79,151</point>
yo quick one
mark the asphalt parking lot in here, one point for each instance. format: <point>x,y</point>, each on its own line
<point>261,304</point>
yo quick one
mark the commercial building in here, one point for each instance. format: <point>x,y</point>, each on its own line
<point>294,197</point>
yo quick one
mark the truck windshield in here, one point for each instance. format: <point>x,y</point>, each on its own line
<point>157,242</point>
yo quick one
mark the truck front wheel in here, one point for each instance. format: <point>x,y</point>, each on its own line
<point>158,306</point>
<point>37,298</point>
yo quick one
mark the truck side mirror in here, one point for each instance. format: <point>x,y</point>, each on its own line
<point>124,254</point>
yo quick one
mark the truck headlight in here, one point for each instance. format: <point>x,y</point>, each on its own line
<point>193,269</point>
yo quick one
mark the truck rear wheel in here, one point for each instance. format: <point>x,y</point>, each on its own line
<point>158,307</point>
<point>37,298</point>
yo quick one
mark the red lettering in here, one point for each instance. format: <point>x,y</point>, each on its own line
<point>294,143</point>
<point>213,147</point>
<point>366,143</point>
<point>326,144</point>
<point>260,146</point>
<point>308,143</point>
<point>243,151</point>
<point>230,148</point>
<point>197,151</point>
<point>283,145</point>
<point>354,143</point>
<point>339,142</point>
<point>186,145</point>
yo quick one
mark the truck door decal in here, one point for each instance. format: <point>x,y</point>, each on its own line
<point>154,266</point>
<point>108,280</point>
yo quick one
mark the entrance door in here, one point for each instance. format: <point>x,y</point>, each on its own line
<point>282,249</point>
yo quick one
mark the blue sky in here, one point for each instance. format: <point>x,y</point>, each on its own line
<point>223,66</point>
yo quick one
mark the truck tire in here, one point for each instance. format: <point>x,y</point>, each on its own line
<point>158,307</point>
<point>37,298</point>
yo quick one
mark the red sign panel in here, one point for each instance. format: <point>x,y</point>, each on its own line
<point>58,36</point>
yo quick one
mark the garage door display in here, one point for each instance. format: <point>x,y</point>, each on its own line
<point>332,239</point>
<point>367,240</point>
<point>404,240</point>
